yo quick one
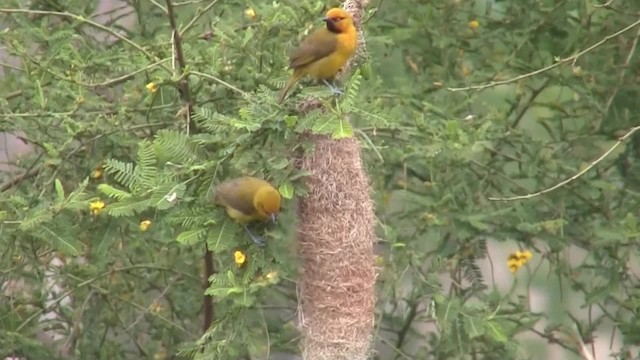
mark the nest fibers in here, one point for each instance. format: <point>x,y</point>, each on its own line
<point>336,221</point>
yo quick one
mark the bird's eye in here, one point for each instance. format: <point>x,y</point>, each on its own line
<point>336,19</point>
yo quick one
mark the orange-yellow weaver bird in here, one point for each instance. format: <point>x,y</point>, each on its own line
<point>323,53</point>
<point>249,199</point>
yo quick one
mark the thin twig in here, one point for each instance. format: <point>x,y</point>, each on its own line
<point>583,351</point>
<point>89,282</point>
<point>88,22</point>
<point>19,179</point>
<point>220,81</point>
<point>574,177</point>
<point>198,15</point>
<point>621,77</point>
<point>123,78</point>
<point>559,62</point>
<point>398,351</point>
<point>155,301</point>
<point>603,5</point>
<point>208,299</point>
<point>158,5</point>
<point>180,64</point>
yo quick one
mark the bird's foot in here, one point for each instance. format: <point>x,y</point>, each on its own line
<point>260,242</point>
<point>334,89</point>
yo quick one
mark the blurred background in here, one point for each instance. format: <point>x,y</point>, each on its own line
<point>462,106</point>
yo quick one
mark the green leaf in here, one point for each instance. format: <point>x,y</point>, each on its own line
<point>221,236</point>
<point>291,120</point>
<point>59,190</point>
<point>113,193</point>
<point>35,219</point>
<point>280,164</point>
<point>631,224</point>
<point>106,239</point>
<point>600,293</point>
<point>190,237</point>
<point>128,207</point>
<point>447,312</point>
<point>231,277</point>
<point>78,195</point>
<point>495,331</point>
<point>343,130</point>
<point>66,246</point>
<point>325,125</point>
<point>474,326</point>
<point>234,290</point>
<point>286,190</point>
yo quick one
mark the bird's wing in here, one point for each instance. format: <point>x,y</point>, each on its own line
<point>318,45</point>
<point>230,194</point>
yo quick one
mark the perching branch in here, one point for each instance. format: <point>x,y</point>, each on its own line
<point>574,177</point>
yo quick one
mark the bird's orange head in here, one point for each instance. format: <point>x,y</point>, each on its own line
<point>266,201</point>
<point>338,20</point>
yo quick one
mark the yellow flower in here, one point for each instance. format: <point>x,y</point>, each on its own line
<point>518,259</point>
<point>250,13</point>
<point>144,225</point>
<point>427,216</point>
<point>466,70</point>
<point>474,24</point>
<point>152,87</point>
<point>96,206</point>
<point>97,172</point>
<point>156,307</point>
<point>239,257</point>
<point>513,265</point>
<point>271,275</point>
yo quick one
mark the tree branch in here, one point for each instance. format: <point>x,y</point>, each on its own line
<point>572,58</point>
<point>574,177</point>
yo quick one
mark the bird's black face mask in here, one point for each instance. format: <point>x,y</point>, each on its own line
<point>331,25</point>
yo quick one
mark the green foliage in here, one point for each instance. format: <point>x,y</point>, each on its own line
<point>436,158</point>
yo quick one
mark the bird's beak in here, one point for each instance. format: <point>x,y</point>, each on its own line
<point>325,19</point>
<point>273,218</point>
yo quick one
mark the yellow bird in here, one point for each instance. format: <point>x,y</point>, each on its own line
<point>248,199</point>
<point>324,52</point>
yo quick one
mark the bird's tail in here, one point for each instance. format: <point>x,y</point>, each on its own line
<point>292,81</point>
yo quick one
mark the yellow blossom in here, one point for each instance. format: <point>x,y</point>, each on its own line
<point>250,13</point>
<point>152,87</point>
<point>428,216</point>
<point>518,259</point>
<point>97,172</point>
<point>144,225</point>
<point>96,206</point>
<point>474,24</point>
<point>239,257</point>
<point>271,275</point>
<point>156,307</point>
<point>466,70</point>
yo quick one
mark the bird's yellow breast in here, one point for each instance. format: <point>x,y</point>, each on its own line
<point>327,67</point>
<point>241,217</point>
